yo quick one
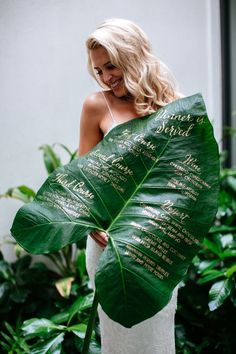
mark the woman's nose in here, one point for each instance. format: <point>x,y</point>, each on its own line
<point>106,77</point>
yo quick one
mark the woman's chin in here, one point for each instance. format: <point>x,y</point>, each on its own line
<point>118,94</point>
<point>121,92</point>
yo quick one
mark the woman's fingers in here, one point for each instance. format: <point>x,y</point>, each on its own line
<point>100,238</point>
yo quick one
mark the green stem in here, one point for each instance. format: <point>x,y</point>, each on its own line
<point>90,326</point>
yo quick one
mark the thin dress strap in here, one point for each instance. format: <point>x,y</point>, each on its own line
<point>112,117</point>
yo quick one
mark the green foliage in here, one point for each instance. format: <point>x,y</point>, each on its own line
<point>206,302</point>
<point>199,329</point>
<point>163,174</point>
<point>28,290</point>
<point>45,308</point>
<point>12,341</point>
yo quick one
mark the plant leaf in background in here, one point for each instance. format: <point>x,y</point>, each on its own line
<point>64,286</point>
<point>51,159</point>
<point>23,193</point>
<point>51,346</point>
<point>219,292</point>
<point>151,184</point>
<point>40,327</point>
<point>12,341</point>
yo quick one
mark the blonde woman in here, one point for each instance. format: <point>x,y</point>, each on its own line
<point>135,83</point>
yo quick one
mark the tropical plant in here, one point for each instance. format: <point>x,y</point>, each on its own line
<point>34,295</point>
<point>12,342</point>
<point>198,329</point>
<point>163,176</point>
<point>150,205</point>
<point>207,298</point>
<point>30,290</point>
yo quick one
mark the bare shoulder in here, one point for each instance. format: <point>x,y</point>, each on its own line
<point>91,117</point>
<point>94,104</point>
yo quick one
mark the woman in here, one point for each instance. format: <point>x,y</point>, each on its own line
<point>136,84</point>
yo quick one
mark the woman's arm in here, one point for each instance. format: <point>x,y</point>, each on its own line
<point>90,135</point>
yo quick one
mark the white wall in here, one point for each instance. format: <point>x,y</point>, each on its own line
<point>43,77</point>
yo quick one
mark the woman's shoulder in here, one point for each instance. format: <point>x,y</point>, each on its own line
<point>94,103</point>
<point>94,110</point>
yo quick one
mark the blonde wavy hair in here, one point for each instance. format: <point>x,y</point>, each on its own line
<point>146,78</point>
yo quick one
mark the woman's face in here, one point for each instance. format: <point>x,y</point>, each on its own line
<point>107,72</point>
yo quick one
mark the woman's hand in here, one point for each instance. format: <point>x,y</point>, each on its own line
<point>100,238</point>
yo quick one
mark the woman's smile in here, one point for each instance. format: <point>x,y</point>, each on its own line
<point>116,84</point>
<point>107,73</point>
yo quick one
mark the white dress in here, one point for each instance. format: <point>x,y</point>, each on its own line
<point>152,336</point>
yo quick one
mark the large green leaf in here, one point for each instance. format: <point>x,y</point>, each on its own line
<point>152,185</point>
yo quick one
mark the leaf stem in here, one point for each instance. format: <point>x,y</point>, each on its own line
<point>90,326</point>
